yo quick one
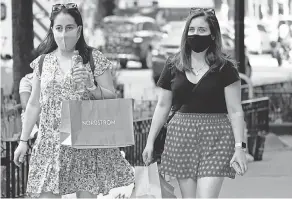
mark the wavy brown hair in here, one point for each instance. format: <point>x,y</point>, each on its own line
<point>214,57</point>
<point>49,44</point>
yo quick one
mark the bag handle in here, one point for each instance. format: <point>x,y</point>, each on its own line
<point>91,63</point>
<point>101,92</point>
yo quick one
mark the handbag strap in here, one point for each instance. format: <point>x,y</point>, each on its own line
<point>173,113</point>
<point>91,63</point>
<point>102,97</point>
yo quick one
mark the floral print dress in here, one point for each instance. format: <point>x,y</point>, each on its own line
<point>62,169</point>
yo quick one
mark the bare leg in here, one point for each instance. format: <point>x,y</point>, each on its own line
<point>49,195</point>
<point>187,187</point>
<point>85,194</point>
<point>209,187</point>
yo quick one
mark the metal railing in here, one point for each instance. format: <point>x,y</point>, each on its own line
<point>13,178</point>
<point>280,96</point>
<point>249,85</point>
<point>134,153</point>
<point>280,105</point>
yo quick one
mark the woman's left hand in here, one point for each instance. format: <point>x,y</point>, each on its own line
<point>240,157</point>
<point>80,74</point>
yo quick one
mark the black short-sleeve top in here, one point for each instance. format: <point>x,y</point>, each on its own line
<point>207,96</point>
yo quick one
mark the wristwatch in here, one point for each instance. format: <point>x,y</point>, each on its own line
<point>241,145</point>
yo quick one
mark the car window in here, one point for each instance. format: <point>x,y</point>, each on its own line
<point>139,26</point>
<point>156,27</point>
<point>288,22</point>
<point>262,28</point>
<point>119,26</point>
<point>148,26</point>
<point>3,11</point>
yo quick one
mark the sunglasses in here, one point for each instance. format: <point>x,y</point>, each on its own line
<point>58,7</point>
<point>207,10</point>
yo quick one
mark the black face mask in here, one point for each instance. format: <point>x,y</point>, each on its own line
<point>199,43</point>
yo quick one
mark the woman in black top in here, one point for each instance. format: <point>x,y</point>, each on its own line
<point>205,136</point>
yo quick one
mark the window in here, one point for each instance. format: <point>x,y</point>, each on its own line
<point>262,28</point>
<point>3,11</point>
<point>156,27</point>
<point>147,26</point>
<point>119,26</point>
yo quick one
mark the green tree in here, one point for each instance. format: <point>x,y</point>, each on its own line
<point>22,28</point>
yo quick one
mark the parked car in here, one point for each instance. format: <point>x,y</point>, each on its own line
<point>286,20</point>
<point>171,45</point>
<point>130,38</point>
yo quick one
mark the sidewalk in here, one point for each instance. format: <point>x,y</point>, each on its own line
<point>269,178</point>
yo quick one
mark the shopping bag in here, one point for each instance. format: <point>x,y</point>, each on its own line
<point>97,123</point>
<point>167,190</point>
<point>147,182</point>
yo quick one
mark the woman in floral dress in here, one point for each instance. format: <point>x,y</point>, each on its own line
<point>56,169</point>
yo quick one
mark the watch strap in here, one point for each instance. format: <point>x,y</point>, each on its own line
<point>240,145</point>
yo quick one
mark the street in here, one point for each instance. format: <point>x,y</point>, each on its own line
<point>138,84</point>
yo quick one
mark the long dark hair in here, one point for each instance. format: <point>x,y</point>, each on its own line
<point>48,45</point>
<point>214,56</point>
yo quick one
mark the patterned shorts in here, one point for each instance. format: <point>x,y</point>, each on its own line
<point>198,145</point>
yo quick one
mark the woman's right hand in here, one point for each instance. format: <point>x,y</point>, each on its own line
<point>19,153</point>
<point>148,154</point>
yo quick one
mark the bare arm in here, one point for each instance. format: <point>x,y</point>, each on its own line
<point>24,97</point>
<point>25,88</point>
<point>160,114</point>
<point>235,112</point>
<point>103,77</point>
<point>105,88</point>
<point>32,112</point>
